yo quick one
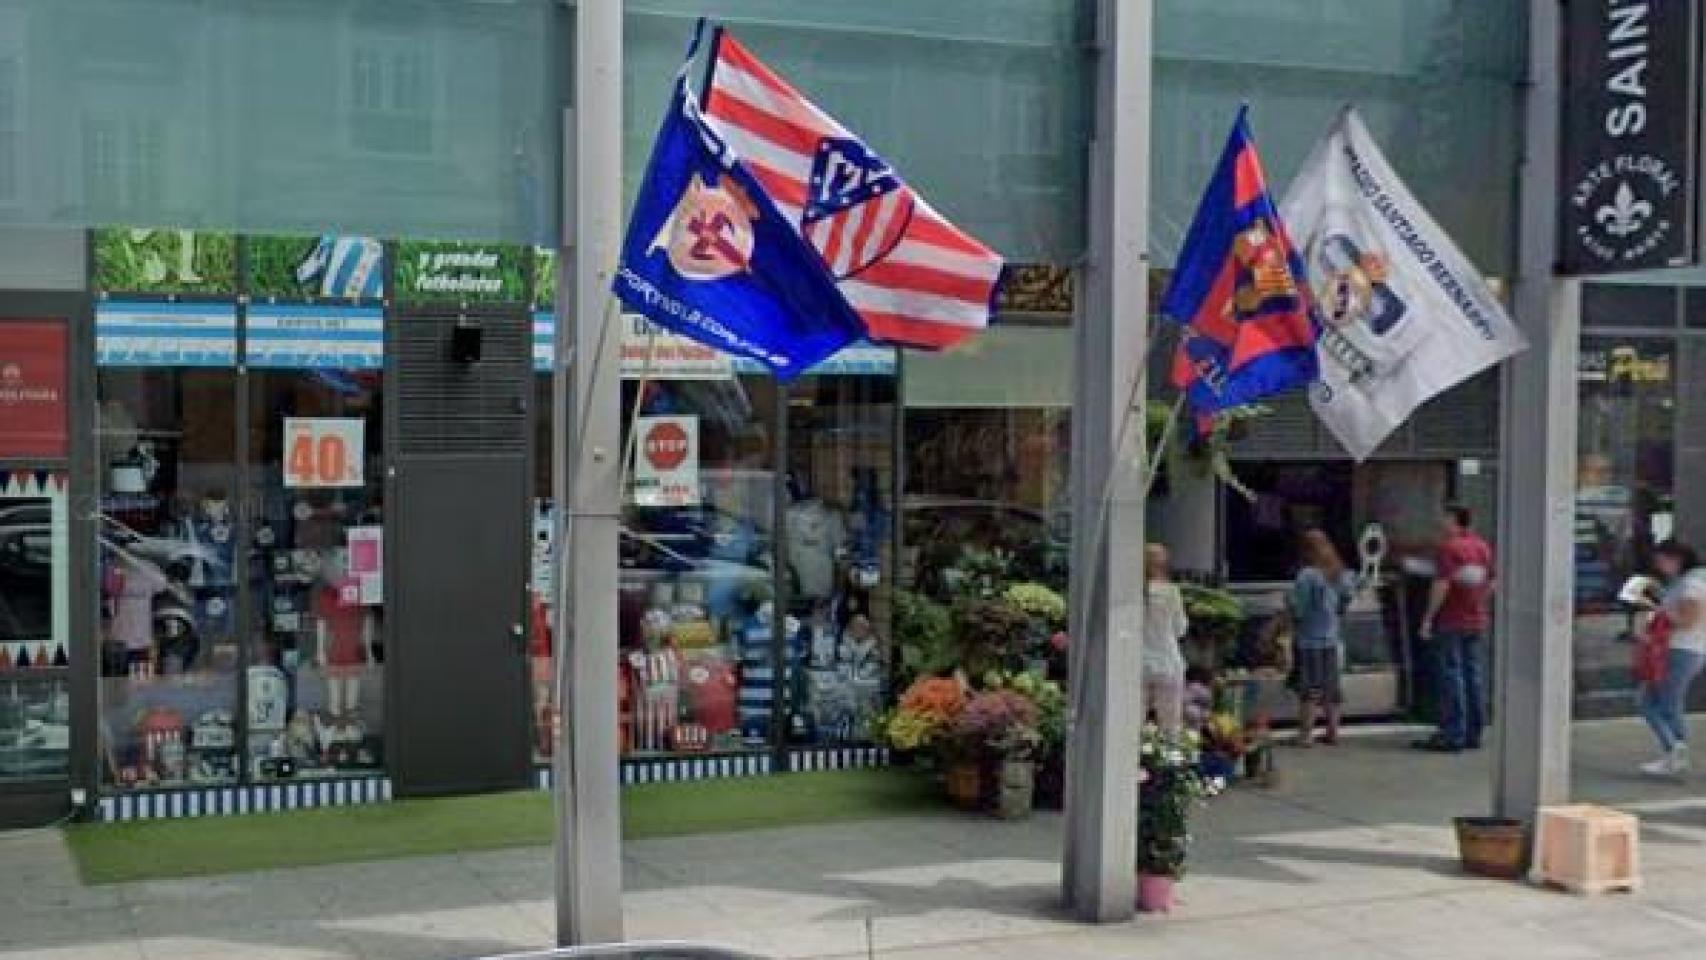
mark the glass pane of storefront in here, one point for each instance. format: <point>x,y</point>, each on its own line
<point>697,606</point>
<point>316,531</point>
<point>839,545</point>
<point>1625,501</point>
<point>35,676</point>
<point>167,549</point>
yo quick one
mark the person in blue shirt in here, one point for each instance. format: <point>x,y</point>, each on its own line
<point>1319,598</point>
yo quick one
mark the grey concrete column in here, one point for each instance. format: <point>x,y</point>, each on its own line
<point>587,457</point>
<point>1534,629</point>
<point>1099,868</point>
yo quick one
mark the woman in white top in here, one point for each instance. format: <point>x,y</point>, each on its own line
<point>1664,702</point>
<point>1164,625</point>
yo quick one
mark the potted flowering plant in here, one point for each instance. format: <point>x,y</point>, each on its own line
<point>925,722</point>
<point>1002,725</point>
<point>1172,788</point>
<point>1049,756</point>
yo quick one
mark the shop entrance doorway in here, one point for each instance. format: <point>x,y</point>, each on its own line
<point>460,489</point>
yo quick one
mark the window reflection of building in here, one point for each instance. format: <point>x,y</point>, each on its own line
<point>1625,478</point>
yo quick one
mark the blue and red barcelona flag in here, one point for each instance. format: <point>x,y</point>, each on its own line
<point>1239,292</point>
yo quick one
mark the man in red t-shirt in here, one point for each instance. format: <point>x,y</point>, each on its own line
<point>1456,628</point>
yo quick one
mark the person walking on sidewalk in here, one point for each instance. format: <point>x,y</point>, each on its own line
<point>1319,598</point>
<point>1164,625</point>
<point>1456,627</point>
<point>1664,698</point>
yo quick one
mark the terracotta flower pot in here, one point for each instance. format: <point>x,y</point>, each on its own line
<point>965,785</point>
<point>1155,892</point>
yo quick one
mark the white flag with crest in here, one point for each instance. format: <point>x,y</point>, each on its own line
<point>1404,315</point>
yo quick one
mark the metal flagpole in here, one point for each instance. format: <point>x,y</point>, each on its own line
<point>586,485</point>
<point>1111,329</point>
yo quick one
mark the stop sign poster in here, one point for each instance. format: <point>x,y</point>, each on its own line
<point>666,468</point>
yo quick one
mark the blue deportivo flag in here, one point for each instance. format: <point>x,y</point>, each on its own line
<point>1238,292</point>
<point>708,256</point>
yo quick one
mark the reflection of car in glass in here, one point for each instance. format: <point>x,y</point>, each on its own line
<point>26,570</point>
<point>938,531</point>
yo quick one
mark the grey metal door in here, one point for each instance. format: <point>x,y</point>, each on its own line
<point>456,655</point>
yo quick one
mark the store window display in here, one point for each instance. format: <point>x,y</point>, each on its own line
<point>316,655</point>
<point>697,573</point>
<point>839,528</point>
<point>169,659</point>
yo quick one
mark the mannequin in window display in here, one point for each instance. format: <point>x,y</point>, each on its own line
<point>343,632</point>
<point>816,536</point>
<point>131,585</point>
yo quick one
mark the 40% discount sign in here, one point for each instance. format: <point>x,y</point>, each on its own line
<point>323,451</point>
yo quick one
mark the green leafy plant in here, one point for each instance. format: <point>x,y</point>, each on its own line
<point>980,572</point>
<point>1215,614</point>
<point>924,634</point>
<point>990,634</point>
<point>1039,602</point>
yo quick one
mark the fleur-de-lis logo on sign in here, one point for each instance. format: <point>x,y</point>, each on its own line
<point>1625,214</point>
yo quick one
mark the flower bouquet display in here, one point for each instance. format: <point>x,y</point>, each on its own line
<point>1172,789</point>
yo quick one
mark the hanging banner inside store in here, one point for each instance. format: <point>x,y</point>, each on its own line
<point>315,337</point>
<point>649,350</point>
<point>144,260</point>
<point>430,271</point>
<point>367,562</point>
<point>136,333</point>
<point>1627,173</point>
<point>331,265</point>
<point>32,389</point>
<point>323,451</point>
<point>666,467</point>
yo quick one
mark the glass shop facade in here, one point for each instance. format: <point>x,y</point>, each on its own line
<point>276,305</point>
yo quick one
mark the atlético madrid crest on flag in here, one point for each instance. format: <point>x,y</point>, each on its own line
<point>856,209</point>
<point>915,279</point>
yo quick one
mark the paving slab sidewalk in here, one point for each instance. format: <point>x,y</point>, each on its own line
<point>1352,853</point>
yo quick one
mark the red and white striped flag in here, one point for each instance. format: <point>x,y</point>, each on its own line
<point>915,279</point>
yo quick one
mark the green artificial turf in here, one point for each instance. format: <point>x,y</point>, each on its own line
<point>113,853</point>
